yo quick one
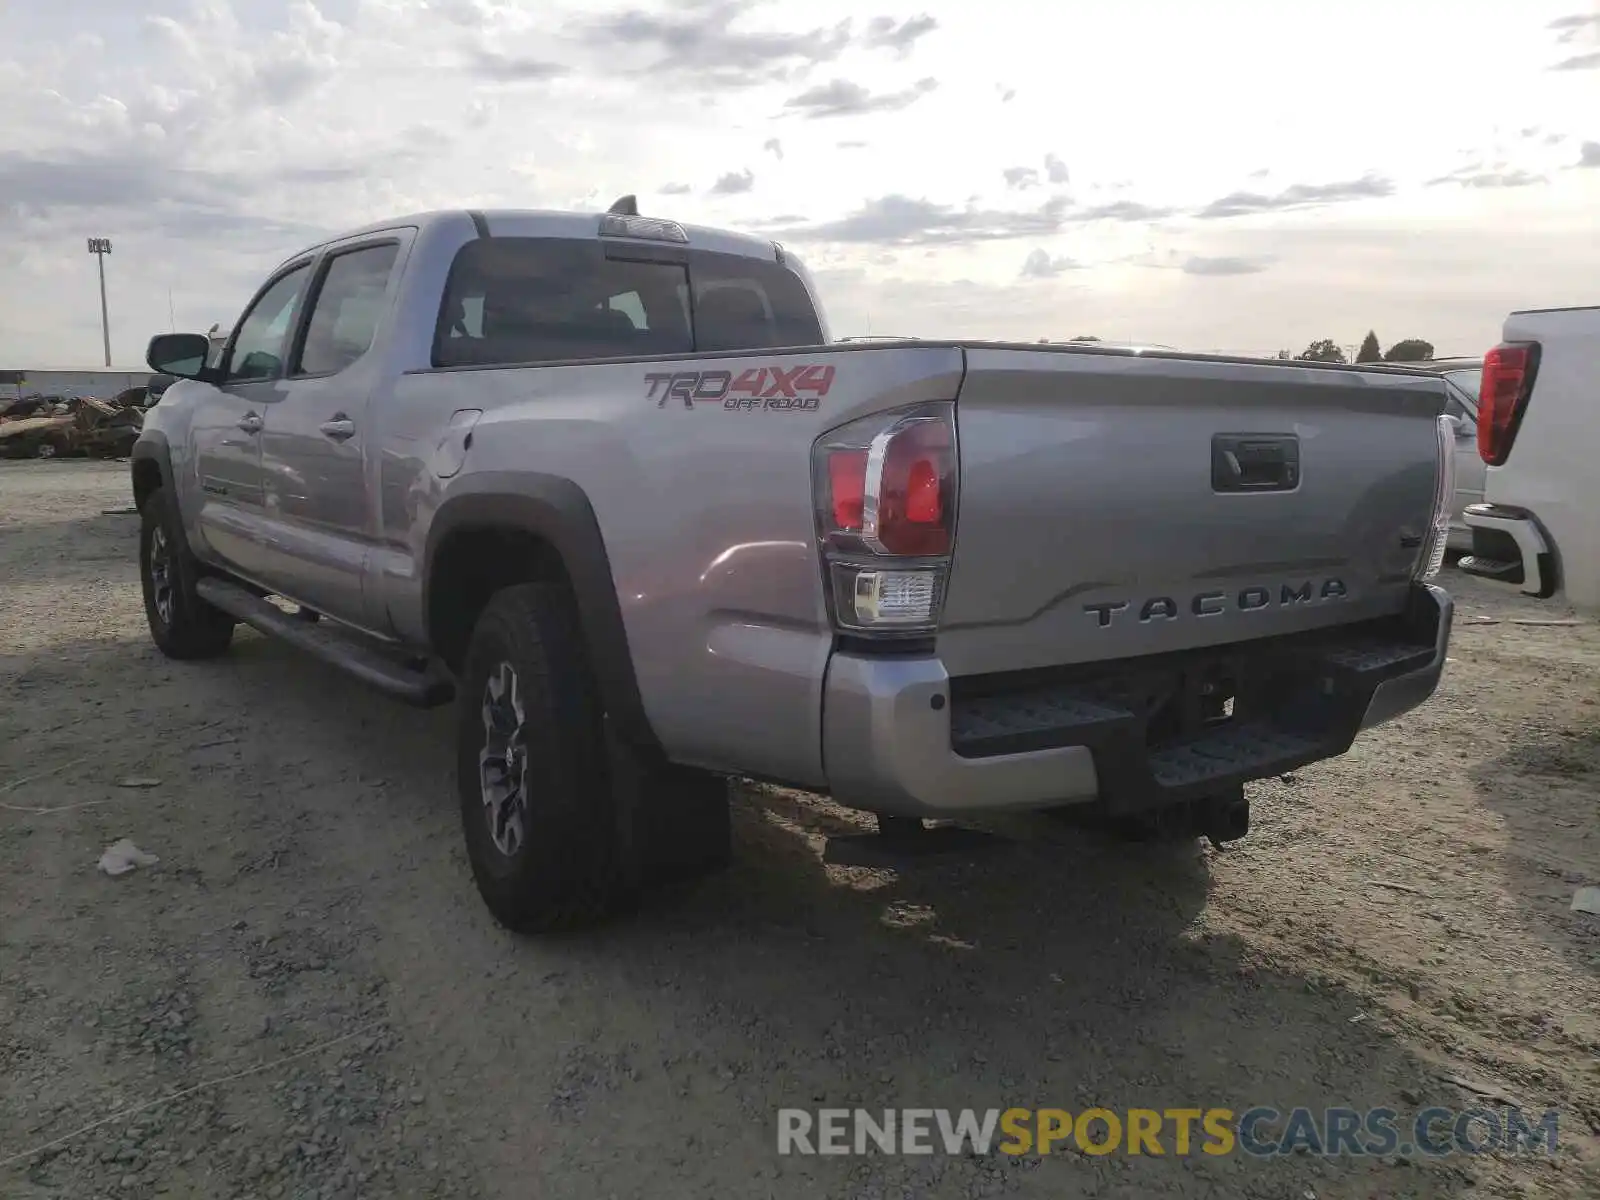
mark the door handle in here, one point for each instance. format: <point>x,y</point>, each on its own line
<point>339,428</point>
<point>250,423</point>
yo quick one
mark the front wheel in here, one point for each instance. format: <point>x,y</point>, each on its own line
<point>182,625</point>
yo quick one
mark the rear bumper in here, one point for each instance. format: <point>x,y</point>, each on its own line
<point>1509,547</point>
<point>900,736</point>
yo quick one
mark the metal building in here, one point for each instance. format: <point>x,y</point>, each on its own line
<point>88,381</point>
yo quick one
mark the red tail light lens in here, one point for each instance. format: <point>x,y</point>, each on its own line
<point>847,488</point>
<point>1508,372</point>
<point>887,484</point>
<point>911,488</point>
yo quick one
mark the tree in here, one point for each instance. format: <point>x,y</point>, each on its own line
<point>1086,337</point>
<point>1285,354</point>
<point>1327,351</point>
<point>1370,350</point>
<point>1410,350</point>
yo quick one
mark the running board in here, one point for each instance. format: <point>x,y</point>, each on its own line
<point>419,687</point>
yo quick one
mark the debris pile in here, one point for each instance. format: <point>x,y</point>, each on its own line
<point>46,426</point>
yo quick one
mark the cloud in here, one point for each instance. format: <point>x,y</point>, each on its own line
<point>903,221</point>
<point>852,145</point>
<point>1477,177</point>
<point>176,201</point>
<point>1589,155</point>
<point>773,146</point>
<point>1040,265</point>
<point>1021,177</point>
<point>1120,210</point>
<point>278,68</point>
<point>843,98</point>
<point>1299,195</point>
<point>734,183</point>
<point>1579,62</point>
<point>674,189</point>
<point>501,67</point>
<point>468,13</point>
<point>1572,27</point>
<point>885,33</point>
<point>1055,170</point>
<point>1223,265</point>
<point>699,43</point>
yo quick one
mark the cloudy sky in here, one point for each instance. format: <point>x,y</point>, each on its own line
<point>1239,175</point>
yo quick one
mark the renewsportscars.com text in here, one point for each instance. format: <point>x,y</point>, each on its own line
<point>1259,1132</point>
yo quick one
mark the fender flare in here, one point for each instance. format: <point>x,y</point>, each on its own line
<point>150,447</point>
<point>557,511</point>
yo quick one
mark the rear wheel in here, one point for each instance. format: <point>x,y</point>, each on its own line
<point>541,827</point>
<point>182,625</point>
<point>563,825</point>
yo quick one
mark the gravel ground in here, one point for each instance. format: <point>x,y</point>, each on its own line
<point>304,997</point>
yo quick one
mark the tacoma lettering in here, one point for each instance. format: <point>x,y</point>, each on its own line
<point>1215,603</point>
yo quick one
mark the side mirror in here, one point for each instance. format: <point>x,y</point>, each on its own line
<point>182,355</point>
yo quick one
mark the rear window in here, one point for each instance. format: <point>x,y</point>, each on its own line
<point>527,300</point>
<point>747,304</point>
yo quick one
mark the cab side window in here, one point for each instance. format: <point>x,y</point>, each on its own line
<point>258,347</point>
<point>348,306</point>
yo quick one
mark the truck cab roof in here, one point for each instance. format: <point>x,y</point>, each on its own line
<point>551,223</point>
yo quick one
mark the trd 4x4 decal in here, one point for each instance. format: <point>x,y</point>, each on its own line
<point>769,389</point>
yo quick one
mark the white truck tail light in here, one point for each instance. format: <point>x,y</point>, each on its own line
<point>1444,494</point>
<point>885,493</point>
<point>1507,383</point>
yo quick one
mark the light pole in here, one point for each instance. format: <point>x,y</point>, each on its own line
<point>100,247</point>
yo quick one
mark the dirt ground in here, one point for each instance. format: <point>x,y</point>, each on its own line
<point>305,998</point>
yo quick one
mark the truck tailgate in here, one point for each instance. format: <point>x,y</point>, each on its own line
<point>1116,505</point>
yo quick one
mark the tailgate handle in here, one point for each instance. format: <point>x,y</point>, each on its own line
<point>1255,462</point>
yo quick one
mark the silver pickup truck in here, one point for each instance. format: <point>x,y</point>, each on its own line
<point>604,481</point>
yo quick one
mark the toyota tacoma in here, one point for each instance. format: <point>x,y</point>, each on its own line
<point>604,482</point>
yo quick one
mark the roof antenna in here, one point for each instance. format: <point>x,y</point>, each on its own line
<point>627,206</point>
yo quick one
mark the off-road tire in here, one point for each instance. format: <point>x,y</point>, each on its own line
<point>190,628</point>
<point>572,866</point>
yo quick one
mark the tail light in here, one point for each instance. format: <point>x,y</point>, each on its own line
<point>1444,496</point>
<point>885,490</point>
<point>1508,372</point>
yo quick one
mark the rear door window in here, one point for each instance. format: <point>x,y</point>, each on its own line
<point>345,313</point>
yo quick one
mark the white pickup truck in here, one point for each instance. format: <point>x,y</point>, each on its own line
<point>1538,526</point>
